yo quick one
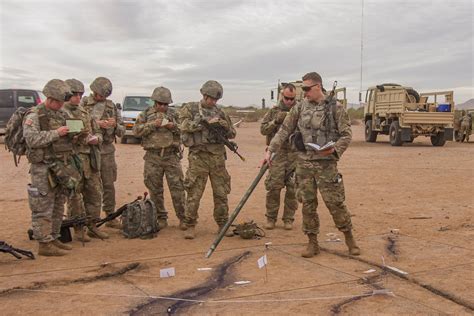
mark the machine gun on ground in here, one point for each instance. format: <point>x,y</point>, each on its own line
<point>15,252</point>
<point>84,221</point>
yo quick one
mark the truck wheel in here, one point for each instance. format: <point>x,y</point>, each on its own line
<point>123,140</point>
<point>370,135</point>
<point>395,134</point>
<point>438,139</point>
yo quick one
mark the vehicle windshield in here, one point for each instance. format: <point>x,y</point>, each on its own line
<point>137,103</point>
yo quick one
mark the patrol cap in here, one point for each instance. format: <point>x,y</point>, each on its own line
<point>102,86</point>
<point>57,90</point>
<point>162,95</point>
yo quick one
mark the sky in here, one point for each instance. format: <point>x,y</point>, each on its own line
<point>248,46</point>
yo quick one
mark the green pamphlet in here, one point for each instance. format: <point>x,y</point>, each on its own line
<point>75,126</point>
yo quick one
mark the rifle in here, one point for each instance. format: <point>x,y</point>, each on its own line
<point>237,210</point>
<point>81,221</point>
<point>16,252</point>
<point>117,213</point>
<point>220,135</point>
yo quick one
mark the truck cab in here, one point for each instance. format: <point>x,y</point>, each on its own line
<point>132,106</point>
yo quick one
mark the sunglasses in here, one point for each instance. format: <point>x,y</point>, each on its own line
<point>288,98</point>
<point>307,88</point>
<point>78,94</point>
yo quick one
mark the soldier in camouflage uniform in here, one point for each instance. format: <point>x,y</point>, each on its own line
<point>158,128</point>
<point>54,170</point>
<point>281,172</point>
<point>108,117</point>
<point>466,125</point>
<point>207,155</point>
<point>318,122</point>
<point>88,199</point>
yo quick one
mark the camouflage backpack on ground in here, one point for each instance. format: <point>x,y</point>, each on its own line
<point>249,230</point>
<point>140,220</point>
<point>14,140</point>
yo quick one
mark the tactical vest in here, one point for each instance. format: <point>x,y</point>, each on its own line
<point>162,137</point>
<point>59,149</point>
<point>204,136</point>
<point>317,123</point>
<point>101,111</point>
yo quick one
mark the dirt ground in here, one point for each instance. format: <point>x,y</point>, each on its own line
<point>412,209</point>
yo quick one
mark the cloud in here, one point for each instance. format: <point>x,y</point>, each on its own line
<point>247,45</point>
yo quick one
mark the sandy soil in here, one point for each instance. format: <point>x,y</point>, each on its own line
<point>422,192</point>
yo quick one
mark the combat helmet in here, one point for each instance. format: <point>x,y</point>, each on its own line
<point>75,85</point>
<point>102,86</point>
<point>162,95</point>
<point>57,89</point>
<point>212,89</point>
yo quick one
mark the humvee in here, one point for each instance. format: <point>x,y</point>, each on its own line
<point>340,93</point>
<point>404,114</point>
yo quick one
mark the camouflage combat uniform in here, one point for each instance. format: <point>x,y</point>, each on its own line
<point>466,125</point>
<point>206,159</point>
<point>108,167</point>
<point>314,171</point>
<point>88,199</point>
<point>162,157</point>
<point>45,149</point>
<point>281,172</point>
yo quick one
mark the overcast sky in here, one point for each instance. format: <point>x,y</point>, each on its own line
<point>246,45</point>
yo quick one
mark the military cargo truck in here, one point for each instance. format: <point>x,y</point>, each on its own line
<point>404,114</point>
<point>340,93</point>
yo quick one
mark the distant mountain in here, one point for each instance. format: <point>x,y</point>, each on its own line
<point>469,104</point>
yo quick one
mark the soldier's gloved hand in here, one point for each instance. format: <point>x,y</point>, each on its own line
<point>158,122</point>
<point>112,122</point>
<point>170,125</point>
<point>92,140</point>
<point>63,130</point>
<point>280,117</point>
<point>213,121</point>
<point>223,123</point>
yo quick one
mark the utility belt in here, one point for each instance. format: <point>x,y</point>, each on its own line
<point>164,151</point>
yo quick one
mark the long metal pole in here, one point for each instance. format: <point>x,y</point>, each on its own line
<point>236,212</point>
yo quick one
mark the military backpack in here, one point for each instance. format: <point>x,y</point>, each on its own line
<point>140,219</point>
<point>14,140</point>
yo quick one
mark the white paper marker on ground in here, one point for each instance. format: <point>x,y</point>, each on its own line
<point>204,269</point>
<point>166,273</point>
<point>262,261</point>
<point>241,282</point>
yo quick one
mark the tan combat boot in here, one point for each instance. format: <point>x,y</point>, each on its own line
<point>162,223</point>
<point>93,232</point>
<point>182,225</point>
<point>228,233</point>
<point>80,234</point>
<point>47,249</point>
<point>189,233</point>
<point>288,225</point>
<point>58,244</point>
<point>115,223</point>
<point>312,248</point>
<point>270,224</point>
<point>351,244</point>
